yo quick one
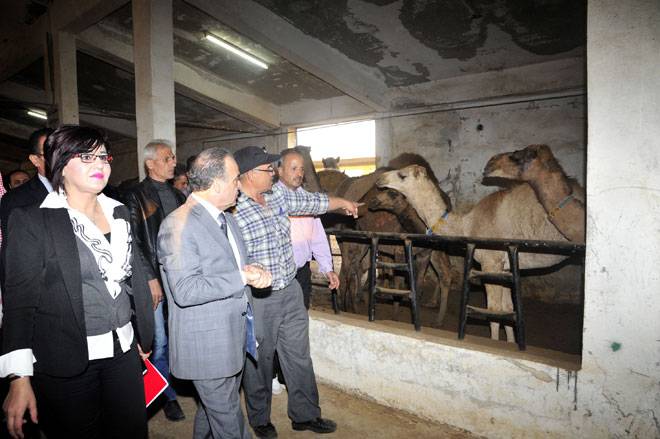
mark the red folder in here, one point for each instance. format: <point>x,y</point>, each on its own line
<point>154,382</point>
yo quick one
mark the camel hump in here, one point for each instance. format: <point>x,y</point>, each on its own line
<point>331,179</point>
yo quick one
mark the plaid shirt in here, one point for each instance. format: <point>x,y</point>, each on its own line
<point>266,229</point>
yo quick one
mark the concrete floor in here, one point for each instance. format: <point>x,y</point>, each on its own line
<point>355,417</point>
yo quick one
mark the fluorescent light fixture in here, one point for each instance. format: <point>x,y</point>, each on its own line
<point>38,114</point>
<point>235,50</point>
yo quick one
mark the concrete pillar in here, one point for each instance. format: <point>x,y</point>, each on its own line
<point>621,344</point>
<point>384,145</point>
<point>65,79</point>
<point>154,73</point>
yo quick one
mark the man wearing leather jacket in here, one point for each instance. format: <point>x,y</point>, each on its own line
<point>149,203</point>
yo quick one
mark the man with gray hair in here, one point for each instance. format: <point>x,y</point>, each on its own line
<point>207,276</point>
<point>149,203</point>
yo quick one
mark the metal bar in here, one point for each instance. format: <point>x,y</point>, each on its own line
<point>517,297</point>
<point>372,279</point>
<point>462,318</point>
<point>524,245</point>
<point>414,307</point>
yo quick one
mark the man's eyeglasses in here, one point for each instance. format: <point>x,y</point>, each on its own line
<point>269,169</point>
<point>88,157</point>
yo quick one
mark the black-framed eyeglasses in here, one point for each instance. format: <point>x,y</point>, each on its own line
<point>88,157</point>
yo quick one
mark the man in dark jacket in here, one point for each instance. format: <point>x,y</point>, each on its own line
<point>30,193</point>
<point>149,203</point>
<point>34,190</point>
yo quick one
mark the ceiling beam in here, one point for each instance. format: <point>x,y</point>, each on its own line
<point>27,95</point>
<point>22,47</point>
<point>189,81</point>
<point>15,129</point>
<point>331,110</point>
<point>26,44</point>
<point>74,16</point>
<point>278,35</point>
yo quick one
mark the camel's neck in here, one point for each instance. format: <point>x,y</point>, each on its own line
<point>429,205</point>
<point>552,189</point>
<point>450,224</point>
<point>566,212</point>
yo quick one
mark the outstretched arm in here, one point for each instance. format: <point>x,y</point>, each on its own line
<point>349,207</point>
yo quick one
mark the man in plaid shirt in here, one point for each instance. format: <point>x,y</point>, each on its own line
<point>282,322</point>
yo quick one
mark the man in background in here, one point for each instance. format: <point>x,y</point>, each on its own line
<point>307,234</point>
<point>17,178</point>
<point>32,192</point>
<point>180,180</point>
<point>35,189</point>
<point>149,203</point>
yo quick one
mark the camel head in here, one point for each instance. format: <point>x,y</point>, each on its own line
<point>522,165</point>
<point>330,162</point>
<point>403,180</point>
<point>420,191</point>
<point>389,200</point>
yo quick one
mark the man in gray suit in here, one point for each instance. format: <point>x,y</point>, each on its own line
<point>206,276</point>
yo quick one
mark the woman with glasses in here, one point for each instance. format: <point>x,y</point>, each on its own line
<point>77,308</point>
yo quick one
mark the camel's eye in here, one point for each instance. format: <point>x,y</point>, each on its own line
<point>517,156</point>
<point>401,175</point>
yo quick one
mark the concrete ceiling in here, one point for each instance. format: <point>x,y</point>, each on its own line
<point>338,57</point>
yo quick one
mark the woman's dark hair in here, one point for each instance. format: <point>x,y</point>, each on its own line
<point>64,143</point>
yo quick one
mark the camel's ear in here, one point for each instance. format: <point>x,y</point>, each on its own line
<point>418,171</point>
<point>543,151</point>
<point>523,156</point>
<point>531,154</point>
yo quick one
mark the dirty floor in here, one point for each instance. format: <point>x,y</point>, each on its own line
<point>355,417</point>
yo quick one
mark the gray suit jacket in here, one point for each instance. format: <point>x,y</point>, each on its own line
<point>206,296</point>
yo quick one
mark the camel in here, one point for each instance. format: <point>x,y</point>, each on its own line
<point>354,261</point>
<point>330,163</point>
<point>511,213</point>
<point>394,202</point>
<point>363,189</point>
<point>331,179</point>
<point>561,197</point>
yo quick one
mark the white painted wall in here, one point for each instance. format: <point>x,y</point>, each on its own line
<point>443,380</point>
<point>273,143</point>
<point>617,391</point>
<point>454,145</point>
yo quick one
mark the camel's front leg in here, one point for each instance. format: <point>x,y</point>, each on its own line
<point>442,268</point>
<point>499,299</point>
<point>507,305</point>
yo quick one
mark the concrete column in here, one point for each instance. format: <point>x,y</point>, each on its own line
<point>621,344</point>
<point>65,79</point>
<point>154,73</point>
<point>384,135</point>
